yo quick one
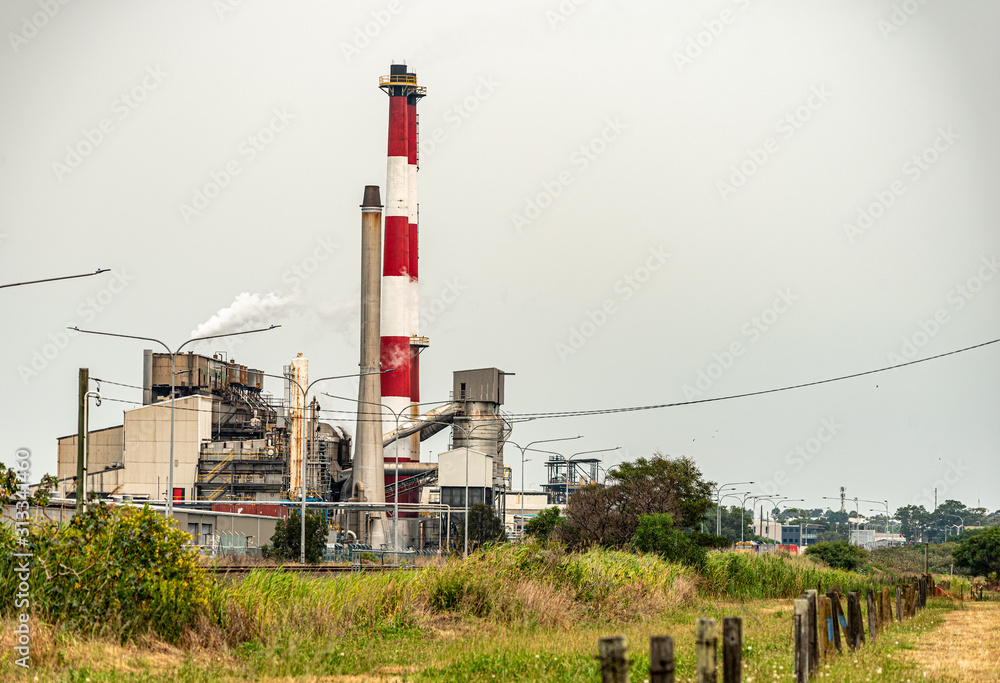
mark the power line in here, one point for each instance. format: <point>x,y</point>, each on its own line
<point>527,417</point>
<point>53,279</point>
<point>606,411</point>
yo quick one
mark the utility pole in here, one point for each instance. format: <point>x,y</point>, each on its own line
<point>81,440</point>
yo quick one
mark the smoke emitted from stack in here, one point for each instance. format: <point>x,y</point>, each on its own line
<point>247,309</point>
<point>369,462</point>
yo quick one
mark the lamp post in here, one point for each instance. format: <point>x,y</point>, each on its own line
<point>569,464</point>
<point>718,502</point>
<point>173,373</point>
<point>752,505</point>
<point>883,503</point>
<point>523,449</point>
<point>733,495</point>
<point>468,437</point>
<point>396,417</point>
<point>305,401</point>
<point>774,506</point>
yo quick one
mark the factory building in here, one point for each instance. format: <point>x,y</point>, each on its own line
<point>235,442</point>
<point>232,441</point>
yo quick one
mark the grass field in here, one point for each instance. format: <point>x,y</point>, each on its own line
<point>528,613</point>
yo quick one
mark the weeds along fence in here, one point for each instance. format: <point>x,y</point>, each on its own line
<point>821,627</point>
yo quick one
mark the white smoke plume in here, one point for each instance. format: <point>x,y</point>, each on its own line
<point>247,310</point>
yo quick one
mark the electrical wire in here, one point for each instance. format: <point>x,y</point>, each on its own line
<point>607,411</point>
<point>527,417</point>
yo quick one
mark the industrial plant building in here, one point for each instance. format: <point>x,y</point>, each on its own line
<point>233,442</point>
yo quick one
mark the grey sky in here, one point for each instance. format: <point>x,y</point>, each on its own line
<point>584,219</point>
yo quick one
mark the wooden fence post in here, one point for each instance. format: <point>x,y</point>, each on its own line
<point>732,650</point>
<point>801,622</point>
<point>857,624</point>
<point>614,663</point>
<point>826,620</point>
<point>899,605</point>
<point>886,607</point>
<point>812,596</point>
<point>872,614</point>
<point>661,659</point>
<point>923,591</point>
<point>706,651</point>
<point>838,618</point>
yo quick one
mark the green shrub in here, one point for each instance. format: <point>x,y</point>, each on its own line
<point>117,570</point>
<point>839,555</point>
<point>657,534</point>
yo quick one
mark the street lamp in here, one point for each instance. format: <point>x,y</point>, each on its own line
<point>468,437</point>
<point>395,445</point>
<point>305,402</point>
<point>173,400</point>
<point>774,506</point>
<point>523,449</point>
<point>569,460</point>
<point>718,501</point>
<point>752,505</point>
<point>884,503</point>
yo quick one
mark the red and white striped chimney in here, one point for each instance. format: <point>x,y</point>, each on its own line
<point>399,265</point>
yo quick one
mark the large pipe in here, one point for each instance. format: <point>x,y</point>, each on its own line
<point>368,470</point>
<point>439,416</point>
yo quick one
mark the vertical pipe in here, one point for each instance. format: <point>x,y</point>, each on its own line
<point>147,376</point>
<point>369,457</point>
<point>81,439</point>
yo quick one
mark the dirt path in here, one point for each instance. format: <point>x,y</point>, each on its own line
<point>966,647</point>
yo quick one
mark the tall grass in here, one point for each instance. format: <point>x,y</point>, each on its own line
<point>525,584</point>
<point>747,577</point>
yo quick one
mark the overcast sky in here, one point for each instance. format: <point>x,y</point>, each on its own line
<point>623,203</point>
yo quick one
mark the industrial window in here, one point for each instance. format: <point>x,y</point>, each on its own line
<point>461,390</point>
<point>193,530</point>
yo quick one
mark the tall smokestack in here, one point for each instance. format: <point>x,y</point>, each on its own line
<point>399,264</point>
<point>299,372</point>
<point>369,464</point>
<point>417,343</point>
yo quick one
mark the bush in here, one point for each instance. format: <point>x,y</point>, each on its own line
<point>286,542</point>
<point>839,555</point>
<point>118,570</point>
<point>980,554</point>
<point>657,534</point>
<point>547,523</point>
